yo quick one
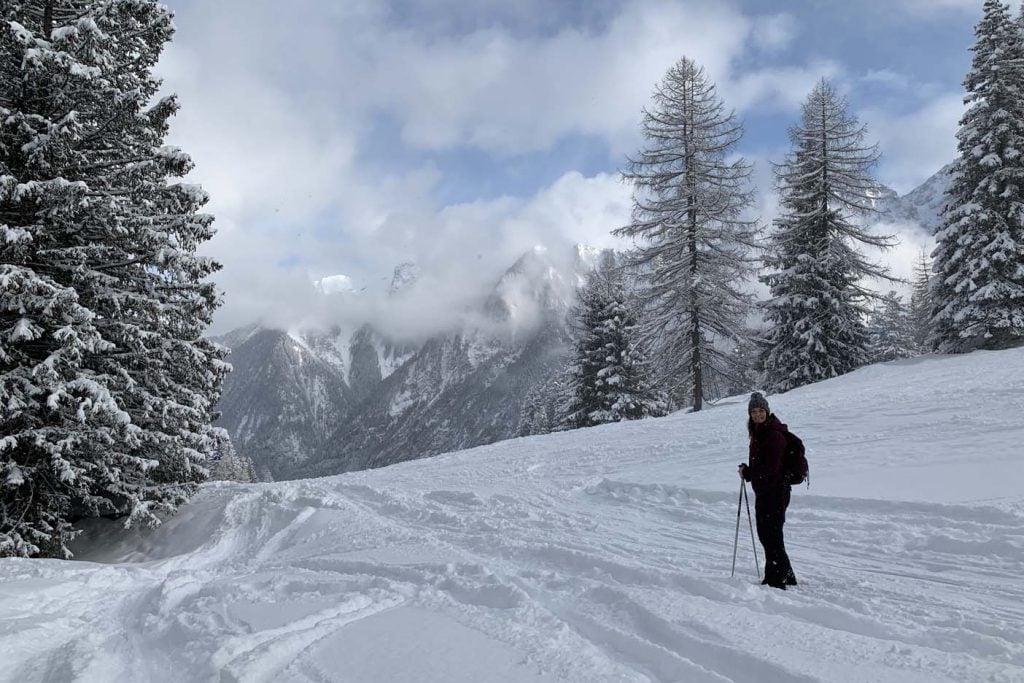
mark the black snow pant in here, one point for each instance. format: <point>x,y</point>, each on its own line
<point>770,505</point>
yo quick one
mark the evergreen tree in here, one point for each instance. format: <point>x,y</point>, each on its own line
<point>107,388</point>
<point>746,360</point>
<point>979,257</point>
<point>609,376</point>
<point>539,413</point>
<point>921,304</point>
<point>695,247</point>
<point>232,465</point>
<point>889,331</point>
<point>818,302</point>
<point>531,416</point>
<point>558,396</point>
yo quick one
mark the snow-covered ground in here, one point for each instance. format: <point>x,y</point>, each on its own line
<point>595,555</point>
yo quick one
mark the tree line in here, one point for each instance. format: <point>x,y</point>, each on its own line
<point>673,323</point>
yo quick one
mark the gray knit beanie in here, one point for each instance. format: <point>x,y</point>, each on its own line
<point>757,400</point>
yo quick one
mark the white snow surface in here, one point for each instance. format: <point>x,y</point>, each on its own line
<point>593,555</point>
<point>388,358</point>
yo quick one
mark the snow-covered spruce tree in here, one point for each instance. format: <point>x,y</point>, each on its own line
<point>920,314</point>
<point>544,406</point>
<point>694,247</point>
<point>232,465</point>
<point>979,254</point>
<point>531,416</point>
<point>609,378</point>
<point>746,361</point>
<point>815,273</point>
<point>107,388</point>
<point>889,330</point>
<point>536,415</point>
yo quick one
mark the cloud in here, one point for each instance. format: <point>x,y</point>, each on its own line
<point>775,32</point>
<point>508,95</point>
<point>280,128</point>
<point>323,142</point>
<point>887,77</point>
<point>917,144</point>
<point>901,259</point>
<point>461,251</point>
<point>334,284</point>
<point>781,88</point>
<point>486,89</point>
<point>927,7</point>
<point>463,248</point>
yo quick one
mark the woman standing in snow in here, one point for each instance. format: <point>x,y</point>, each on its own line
<point>764,472</point>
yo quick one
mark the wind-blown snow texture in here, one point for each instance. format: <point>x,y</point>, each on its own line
<point>594,555</point>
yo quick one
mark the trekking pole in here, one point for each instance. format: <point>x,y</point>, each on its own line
<point>736,543</point>
<point>757,562</point>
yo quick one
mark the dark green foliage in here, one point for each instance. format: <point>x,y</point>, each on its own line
<point>609,377</point>
<point>816,275</point>
<point>921,304</point>
<point>106,385</point>
<point>890,335</point>
<point>979,258</point>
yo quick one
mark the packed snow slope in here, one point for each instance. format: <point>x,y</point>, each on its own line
<point>593,555</point>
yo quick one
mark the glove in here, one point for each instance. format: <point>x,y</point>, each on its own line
<point>742,469</point>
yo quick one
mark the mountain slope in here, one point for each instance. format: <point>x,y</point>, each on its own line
<point>454,393</point>
<point>284,399</point>
<point>922,206</point>
<point>370,401</point>
<point>594,555</point>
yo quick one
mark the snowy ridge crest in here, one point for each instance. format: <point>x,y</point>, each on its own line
<point>922,206</point>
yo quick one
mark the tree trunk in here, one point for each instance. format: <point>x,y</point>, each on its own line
<point>698,377</point>
<point>48,19</point>
<point>691,216</point>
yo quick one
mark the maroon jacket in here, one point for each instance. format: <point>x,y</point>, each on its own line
<point>766,449</point>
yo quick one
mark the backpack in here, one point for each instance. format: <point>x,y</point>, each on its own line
<point>794,462</point>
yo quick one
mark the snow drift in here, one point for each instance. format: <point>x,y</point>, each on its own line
<point>594,555</point>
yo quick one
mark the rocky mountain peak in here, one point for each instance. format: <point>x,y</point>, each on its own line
<point>541,282</point>
<point>921,206</point>
<point>405,276</point>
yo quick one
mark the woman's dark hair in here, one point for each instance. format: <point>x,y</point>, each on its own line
<point>757,400</point>
<point>750,425</point>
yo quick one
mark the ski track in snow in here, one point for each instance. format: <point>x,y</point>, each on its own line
<point>629,578</point>
<point>546,559</point>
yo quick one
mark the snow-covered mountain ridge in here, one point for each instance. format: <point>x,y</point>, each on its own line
<point>316,402</point>
<point>594,555</point>
<point>921,207</point>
